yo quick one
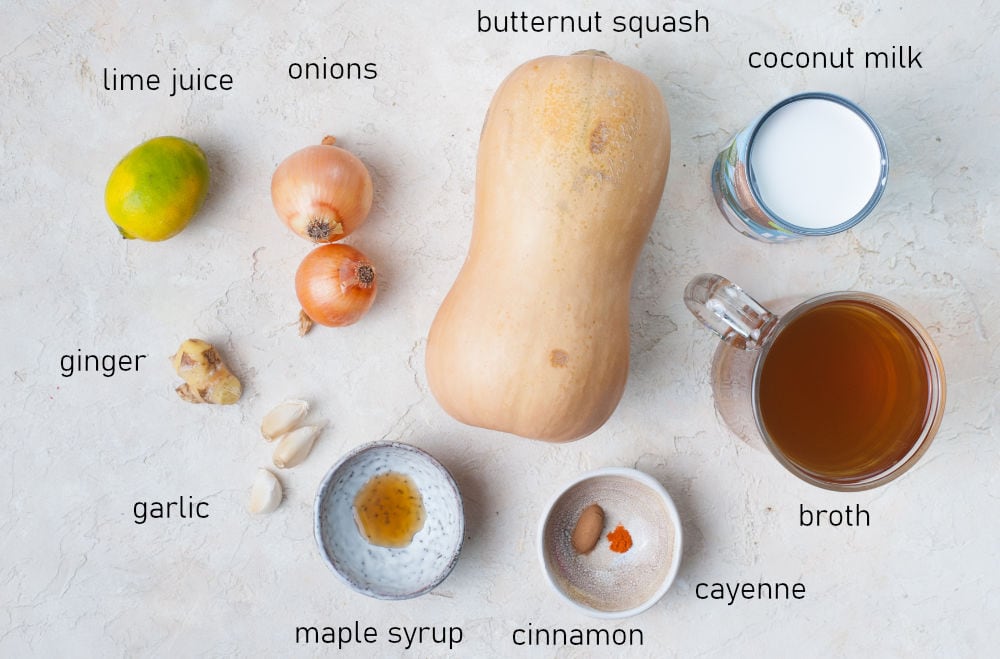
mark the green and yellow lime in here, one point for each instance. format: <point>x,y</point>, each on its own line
<point>157,188</point>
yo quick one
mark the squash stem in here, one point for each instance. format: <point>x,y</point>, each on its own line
<point>594,53</point>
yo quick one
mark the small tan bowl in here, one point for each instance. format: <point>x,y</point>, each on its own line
<point>604,583</point>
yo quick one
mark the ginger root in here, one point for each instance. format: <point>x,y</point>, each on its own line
<point>206,377</point>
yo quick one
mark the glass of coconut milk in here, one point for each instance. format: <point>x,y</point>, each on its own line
<point>815,164</point>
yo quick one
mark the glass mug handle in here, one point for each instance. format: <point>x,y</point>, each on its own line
<point>727,310</point>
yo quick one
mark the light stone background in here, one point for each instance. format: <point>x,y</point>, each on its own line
<point>79,578</point>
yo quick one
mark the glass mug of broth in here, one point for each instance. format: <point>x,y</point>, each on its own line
<point>846,389</point>
<point>815,164</point>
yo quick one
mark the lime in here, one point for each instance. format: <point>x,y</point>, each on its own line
<point>157,188</point>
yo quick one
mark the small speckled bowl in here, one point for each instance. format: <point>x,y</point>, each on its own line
<point>389,574</point>
<point>603,583</point>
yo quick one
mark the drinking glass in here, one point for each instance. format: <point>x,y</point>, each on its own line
<point>815,164</point>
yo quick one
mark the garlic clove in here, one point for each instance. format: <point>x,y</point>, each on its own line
<point>283,418</point>
<point>293,447</point>
<point>265,495</point>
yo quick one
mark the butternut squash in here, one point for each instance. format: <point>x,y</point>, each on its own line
<point>533,338</point>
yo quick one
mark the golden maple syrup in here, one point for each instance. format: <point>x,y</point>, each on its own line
<point>389,510</point>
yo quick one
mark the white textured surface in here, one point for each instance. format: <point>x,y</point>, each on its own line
<point>79,578</point>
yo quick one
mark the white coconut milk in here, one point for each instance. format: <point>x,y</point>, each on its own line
<point>816,163</point>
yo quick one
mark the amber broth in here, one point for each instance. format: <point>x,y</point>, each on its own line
<point>844,391</point>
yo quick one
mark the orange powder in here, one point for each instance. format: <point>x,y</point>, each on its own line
<point>621,539</point>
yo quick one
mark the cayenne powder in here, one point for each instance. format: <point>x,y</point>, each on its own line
<point>621,539</point>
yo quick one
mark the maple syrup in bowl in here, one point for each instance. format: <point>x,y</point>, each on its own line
<point>389,510</point>
<point>389,520</point>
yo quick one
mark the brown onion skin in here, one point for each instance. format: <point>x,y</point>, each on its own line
<point>322,192</point>
<point>336,285</point>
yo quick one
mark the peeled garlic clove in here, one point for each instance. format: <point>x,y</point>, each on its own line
<point>265,495</point>
<point>294,447</point>
<point>283,418</point>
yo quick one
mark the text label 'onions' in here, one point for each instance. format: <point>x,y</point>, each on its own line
<point>336,285</point>
<point>322,192</point>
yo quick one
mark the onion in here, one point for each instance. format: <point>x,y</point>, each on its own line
<point>335,285</point>
<point>322,192</point>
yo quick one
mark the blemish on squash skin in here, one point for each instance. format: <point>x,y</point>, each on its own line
<point>599,138</point>
<point>558,358</point>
